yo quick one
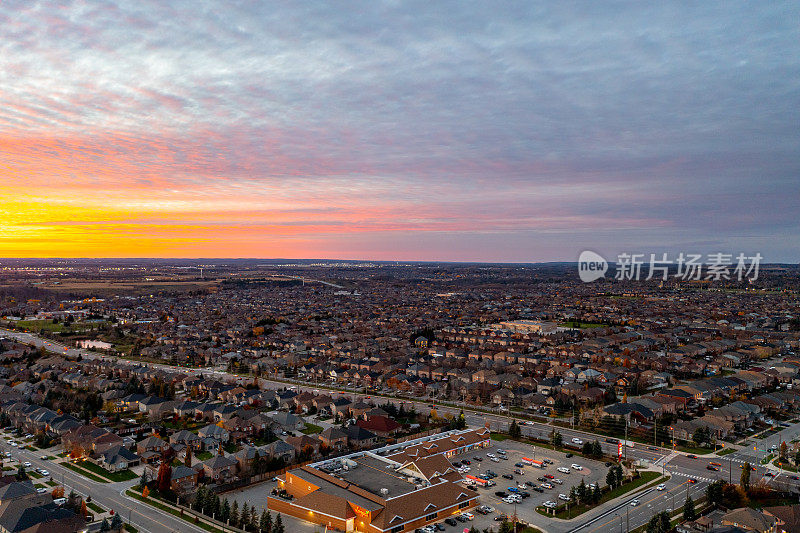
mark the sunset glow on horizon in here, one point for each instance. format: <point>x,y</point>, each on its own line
<point>398,131</point>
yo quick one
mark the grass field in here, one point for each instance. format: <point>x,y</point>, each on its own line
<point>84,473</point>
<point>311,429</point>
<point>124,475</point>
<point>725,451</point>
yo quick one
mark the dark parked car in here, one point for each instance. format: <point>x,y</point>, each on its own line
<point>466,462</point>
<point>525,494</point>
<point>479,459</point>
<point>519,465</point>
<point>500,494</point>
<point>450,521</point>
<point>440,527</point>
<point>569,455</point>
<point>541,478</point>
<point>538,489</point>
<point>508,476</point>
<point>609,463</point>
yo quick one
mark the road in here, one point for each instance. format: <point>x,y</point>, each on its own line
<point>622,514</point>
<point>110,496</point>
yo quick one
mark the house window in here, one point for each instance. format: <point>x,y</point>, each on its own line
<point>431,516</point>
<point>463,504</point>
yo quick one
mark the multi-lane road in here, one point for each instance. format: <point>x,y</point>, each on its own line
<point>689,476</point>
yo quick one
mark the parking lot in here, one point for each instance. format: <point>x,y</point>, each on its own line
<point>591,472</point>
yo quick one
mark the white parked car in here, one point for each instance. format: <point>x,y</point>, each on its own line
<point>563,497</point>
<point>550,505</point>
<point>559,481</point>
<point>576,440</point>
<point>563,469</point>
<point>41,490</point>
<point>468,516</point>
<point>489,454</point>
<point>27,464</point>
<point>494,459</point>
<point>45,473</point>
<point>522,486</point>
<point>577,467</point>
<point>546,486</point>
<point>661,487</point>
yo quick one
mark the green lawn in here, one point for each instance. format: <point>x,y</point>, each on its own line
<point>51,483</point>
<point>124,475</point>
<point>83,472</point>
<point>34,475</point>
<point>311,429</point>
<point>725,451</point>
<point>96,508</point>
<point>131,528</point>
<point>202,456</point>
<point>582,325</point>
<point>643,479</point>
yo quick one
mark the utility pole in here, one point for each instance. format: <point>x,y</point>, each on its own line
<point>627,519</point>
<point>625,444</point>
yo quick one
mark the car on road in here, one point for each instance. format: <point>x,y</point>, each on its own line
<point>652,448</point>
<point>692,456</point>
<point>769,474</point>
<point>714,468</point>
<point>43,458</point>
<point>715,464</point>
<point>568,455</point>
<point>577,441</point>
<point>27,464</point>
<point>41,490</point>
<point>692,480</point>
<point>661,487</point>
<point>7,454</point>
<point>634,503</point>
<point>550,504</point>
<point>794,477</point>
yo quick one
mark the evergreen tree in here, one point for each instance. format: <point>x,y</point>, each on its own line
<point>265,524</point>
<point>784,452</point>
<point>244,519</point>
<point>745,479</point>
<point>611,478</point>
<point>105,526</point>
<point>689,512</point>
<point>225,511</point>
<point>116,522</point>
<point>619,474</point>
<point>596,494</point>
<point>235,514</point>
<point>216,507</point>
<point>199,498</point>
<point>278,525</point>
<point>597,449</point>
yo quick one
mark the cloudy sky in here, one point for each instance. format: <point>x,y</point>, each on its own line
<point>399,130</point>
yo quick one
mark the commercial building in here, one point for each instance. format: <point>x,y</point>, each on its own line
<point>393,489</point>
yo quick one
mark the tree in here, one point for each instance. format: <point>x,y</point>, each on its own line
<point>660,523</point>
<point>116,522</point>
<point>265,524</point>
<point>620,475</point>
<point>514,430</point>
<point>143,480</point>
<point>573,495</point>
<point>244,518</point>
<point>164,477</point>
<point>597,449</point>
<point>558,439</point>
<point>596,494</point>
<point>235,514</point>
<point>105,526</point>
<point>84,511</point>
<point>714,492</point>
<point>582,492</point>
<point>145,492</point>
<point>700,435</point>
<point>587,449</point>
<point>188,460</point>
<point>224,511</point>
<point>689,512</point>
<point>784,454</point>
<point>611,477</point>
<point>200,498</point>
<point>278,526</point>
<point>745,479</point>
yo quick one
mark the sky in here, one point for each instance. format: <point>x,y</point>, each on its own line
<point>453,131</point>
